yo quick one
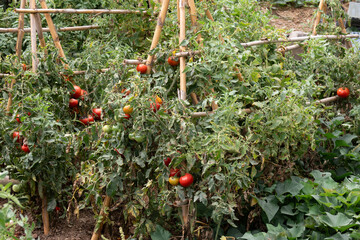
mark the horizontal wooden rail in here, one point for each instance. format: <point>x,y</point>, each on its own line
<point>64,29</point>
<point>4,75</point>
<point>204,114</point>
<point>79,11</point>
<point>179,54</point>
<point>326,100</point>
<point>299,39</point>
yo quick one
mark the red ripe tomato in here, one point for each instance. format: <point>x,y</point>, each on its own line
<point>97,113</point>
<point>25,148</point>
<point>91,118</point>
<point>174,172</point>
<point>57,209</point>
<point>18,118</point>
<point>73,103</point>
<point>173,62</point>
<point>343,92</point>
<point>142,68</point>
<point>17,136</point>
<point>186,180</point>
<point>167,161</point>
<point>152,106</point>
<point>76,92</point>
<point>84,121</point>
<point>127,116</point>
<point>29,114</point>
<point>24,67</point>
<point>125,92</point>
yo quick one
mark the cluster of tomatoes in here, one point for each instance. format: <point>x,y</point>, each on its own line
<point>175,179</point>
<point>16,135</point>
<point>173,61</point>
<point>77,94</point>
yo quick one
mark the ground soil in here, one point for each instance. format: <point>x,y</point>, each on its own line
<point>76,229</point>
<point>289,18</point>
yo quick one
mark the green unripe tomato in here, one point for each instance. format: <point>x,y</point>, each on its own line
<point>132,136</point>
<point>107,129</point>
<point>16,188</point>
<point>139,138</point>
<point>116,128</point>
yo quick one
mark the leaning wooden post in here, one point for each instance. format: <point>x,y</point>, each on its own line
<point>103,214</point>
<point>348,44</point>
<point>193,18</point>
<point>182,94</point>
<point>318,16</point>
<point>20,30</point>
<point>18,52</point>
<point>39,31</point>
<point>157,33</point>
<point>53,32</point>
<point>33,37</point>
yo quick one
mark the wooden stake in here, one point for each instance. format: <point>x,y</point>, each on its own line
<point>194,98</point>
<point>181,6</point>
<point>97,234</point>
<point>193,18</point>
<point>64,29</point>
<point>45,215</point>
<point>33,37</point>
<point>20,31</point>
<point>157,33</point>
<point>40,33</point>
<point>348,44</point>
<point>79,11</point>
<point>53,32</point>
<point>318,15</point>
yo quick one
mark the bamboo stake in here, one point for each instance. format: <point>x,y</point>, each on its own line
<point>45,215</point>
<point>20,31</point>
<point>298,39</point>
<point>348,44</point>
<point>18,53</point>
<point>325,100</point>
<point>64,29</point>
<point>193,18</point>
<point>4,75</point>
<point>318,15</point>
<point>157,33</point>
<point>181,6</point>
<point>53,32</point>
<point>194,98</point>
<point>40,33</point>
<point>204,114</point>
<point>103,214</point>
<point>79,11</point>
<point>133,62</point>
<point>33,37</point>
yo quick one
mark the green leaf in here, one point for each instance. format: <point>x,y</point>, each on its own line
<point>160,234</point>
<point>337,221</point>
<point>269,206</point>
<point>338,236</point>
<point>292,186</point>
